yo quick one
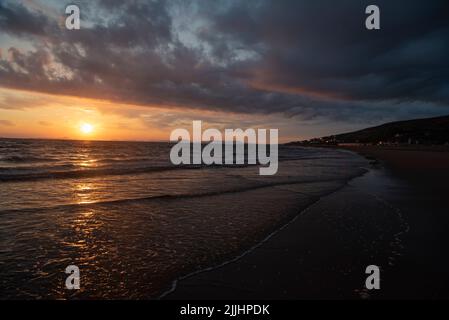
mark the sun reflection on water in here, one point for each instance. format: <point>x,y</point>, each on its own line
<point>87,163</point>
<point>84,192</point>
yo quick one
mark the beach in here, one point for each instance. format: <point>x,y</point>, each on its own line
<point>138,228</point>
<point>231,150</point>
<point>394,216</point>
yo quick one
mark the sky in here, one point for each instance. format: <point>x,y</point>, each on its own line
<point>136,70</point>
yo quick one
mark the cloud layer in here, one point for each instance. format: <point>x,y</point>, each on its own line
<point>305,59</point>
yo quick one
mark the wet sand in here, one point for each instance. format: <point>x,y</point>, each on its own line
<point>409,159</point>
<point>395,216</point>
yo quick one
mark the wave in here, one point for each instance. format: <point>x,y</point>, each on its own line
<point>72,171</point>
<point>50,172</point>
<point>25,159</point>
<point>25,175</point>
<point>257,186</point>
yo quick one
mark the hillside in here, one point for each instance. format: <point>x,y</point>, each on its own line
<point>418,131</point>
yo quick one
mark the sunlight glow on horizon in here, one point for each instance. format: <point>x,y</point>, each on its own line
<point>86,128</point>
<point>28,114</point>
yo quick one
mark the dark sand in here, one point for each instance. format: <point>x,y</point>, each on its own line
<point>396,216</point>
<point>409,160</point>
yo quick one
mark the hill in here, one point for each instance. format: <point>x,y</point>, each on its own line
<point>433,131</point>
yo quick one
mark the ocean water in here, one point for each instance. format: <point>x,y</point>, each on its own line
<point>132,222</point>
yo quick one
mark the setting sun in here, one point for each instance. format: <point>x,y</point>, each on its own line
<point>86,128</point>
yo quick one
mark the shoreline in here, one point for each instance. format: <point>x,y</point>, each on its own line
<point>168,294</point>
<point>247,251</point>
<point>399,261</point>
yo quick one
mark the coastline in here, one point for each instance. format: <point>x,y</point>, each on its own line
<point>378,218</point>
<point>169,293</point>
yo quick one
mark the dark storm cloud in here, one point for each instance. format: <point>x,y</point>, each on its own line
<point>303,58</point>
<point>321,46</point>
<point>18,20</point>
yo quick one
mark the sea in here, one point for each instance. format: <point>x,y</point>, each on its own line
<point>132,222</point>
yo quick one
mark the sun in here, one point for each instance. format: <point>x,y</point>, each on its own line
<point>86,128</point>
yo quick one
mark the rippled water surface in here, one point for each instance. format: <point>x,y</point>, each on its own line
<point>132,222</point>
